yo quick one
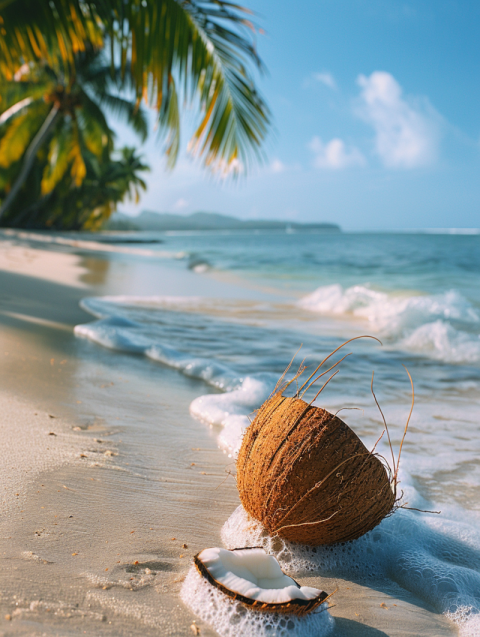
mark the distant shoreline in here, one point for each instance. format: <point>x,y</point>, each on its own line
<point>207,221</point>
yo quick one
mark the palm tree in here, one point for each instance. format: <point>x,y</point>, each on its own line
<point>202,49</point>
<point>45,106</point>
<point>88,206</point>
<point>107,185</point>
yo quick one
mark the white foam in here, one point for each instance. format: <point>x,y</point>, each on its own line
<point>441,341</point>
<point>333,299</point>
<point>407,320</point>
<point>201,268</point>
<point>115,333</point>
<point>386,312</point>
<point>229,410</point>
<point>206,369</point>
<point>232,619</point>
<point>437,559</point>
<point>467,620</point>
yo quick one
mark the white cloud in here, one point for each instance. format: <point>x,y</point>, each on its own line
<point>406,132</point>
<point>335,154</point>
<point>180,204</point>
<point>277,166</point>
<point>325,78</point>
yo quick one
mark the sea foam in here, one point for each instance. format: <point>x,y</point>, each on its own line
<point>232,619</point>
<point>436,559</point>
<point>443,326</point>
<point>442,341</point>
<point>242,394</point>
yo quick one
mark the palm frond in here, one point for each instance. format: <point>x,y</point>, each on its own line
<point>58,161</point>
<point>206,46</point>
<point>34,30</point>
<point>203,44</point>
<point>97,135</point>
<point>11,93</point>
<point>127,111</point>
<point>169,118</point>
<point>19,134</point>
<point>78,169</point>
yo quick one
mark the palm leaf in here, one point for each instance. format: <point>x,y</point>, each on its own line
<point>78,168</point>
<point>190,41</point>
<point>59,159</point>
<point>19,134</point>
<point>18,94</point>
<point>35,30</point>
<point>96,133</point>
<point>126,110</point>
<point>204,45</point>
<point>169,118</point>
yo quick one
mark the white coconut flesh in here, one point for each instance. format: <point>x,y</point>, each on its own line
<point>254,574</point>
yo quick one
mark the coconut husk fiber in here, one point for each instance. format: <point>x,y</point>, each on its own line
<point>307,477</point>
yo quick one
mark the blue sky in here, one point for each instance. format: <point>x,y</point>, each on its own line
<point>376,107</point>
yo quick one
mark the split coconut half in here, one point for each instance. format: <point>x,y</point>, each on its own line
<point>255,579</point>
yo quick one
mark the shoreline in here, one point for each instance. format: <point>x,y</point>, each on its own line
<point>49,536</point>
<point>48,367</point>
<point>132,470</point>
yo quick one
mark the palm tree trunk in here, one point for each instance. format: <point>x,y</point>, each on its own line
<point>29,158</point>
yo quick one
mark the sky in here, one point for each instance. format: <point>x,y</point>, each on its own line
<point>376,120</point>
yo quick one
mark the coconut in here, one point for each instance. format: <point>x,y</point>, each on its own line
<point>307,477</point>
<point>255,579</point>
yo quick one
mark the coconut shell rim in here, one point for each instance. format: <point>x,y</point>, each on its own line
<point>294,607</point>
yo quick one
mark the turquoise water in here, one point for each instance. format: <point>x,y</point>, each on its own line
<point>431,263</point>
<point>419,294</point>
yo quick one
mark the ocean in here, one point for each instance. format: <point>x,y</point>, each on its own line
<point>307,293</point>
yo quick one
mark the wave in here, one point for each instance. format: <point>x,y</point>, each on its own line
<point>242,393</point>
<point>443,326</point>
<point>175,332</point>
<point>436,559</point>
<point>440,340</point>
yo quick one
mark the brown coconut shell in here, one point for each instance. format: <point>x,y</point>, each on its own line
<point>293,607</point>
<point>306,476</point>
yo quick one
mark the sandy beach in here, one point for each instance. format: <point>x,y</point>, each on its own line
<point>109,486</point>
<point>75,502</point>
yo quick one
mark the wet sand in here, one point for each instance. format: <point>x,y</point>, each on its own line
<point>118,486</point>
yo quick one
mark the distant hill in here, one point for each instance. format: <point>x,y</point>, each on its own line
<point>164,221</point>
